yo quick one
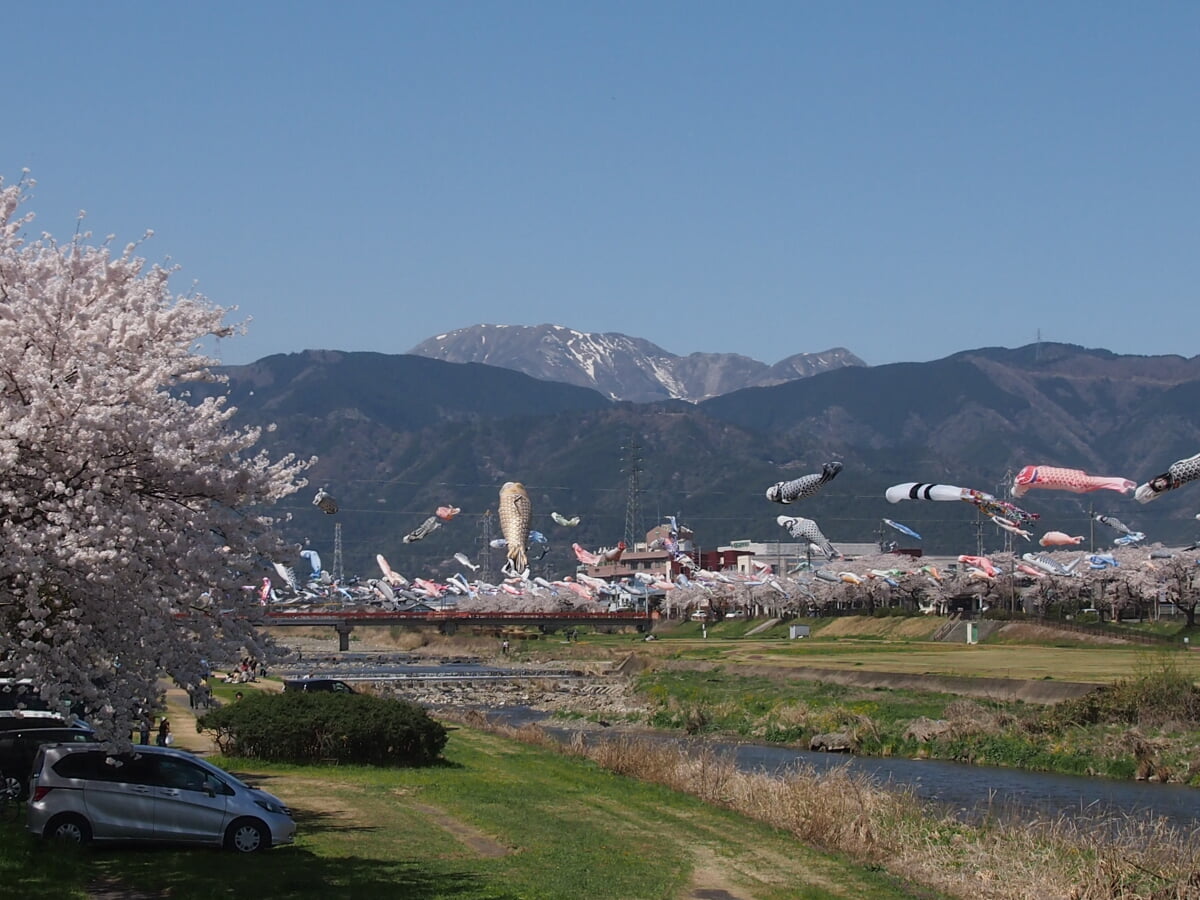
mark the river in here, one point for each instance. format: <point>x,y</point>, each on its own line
<point>967,791</point>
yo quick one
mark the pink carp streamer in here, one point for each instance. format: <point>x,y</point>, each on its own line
<point>1076,481</point>
<point>982,563</point>
<point>1059,539</point>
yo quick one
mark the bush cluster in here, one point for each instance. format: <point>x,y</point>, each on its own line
<point>300,727</point>
<point>1159,695</point>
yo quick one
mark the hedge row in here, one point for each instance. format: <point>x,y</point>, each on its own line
<point>300,727</point>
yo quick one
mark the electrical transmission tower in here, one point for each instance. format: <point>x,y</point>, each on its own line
<point>485,542</point>
<point>632,457</point>
<point>337,552</point>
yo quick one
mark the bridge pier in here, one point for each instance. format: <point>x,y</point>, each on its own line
<point>343,630</point>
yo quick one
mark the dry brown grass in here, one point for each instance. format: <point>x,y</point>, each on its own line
<point>966,717</point>
<point>794,714</point>
<point>902,628</point>
<point>845,812</point>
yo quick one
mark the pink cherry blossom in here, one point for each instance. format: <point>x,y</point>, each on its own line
<point>122,498</point>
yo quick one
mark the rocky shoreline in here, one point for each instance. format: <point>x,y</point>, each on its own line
<point>591,695</point>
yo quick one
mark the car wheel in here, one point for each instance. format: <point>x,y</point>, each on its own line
<point>70,829</point>
<point>247,836</point>
<point>15,786</point>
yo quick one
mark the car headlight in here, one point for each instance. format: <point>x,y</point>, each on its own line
<point>272,807</point>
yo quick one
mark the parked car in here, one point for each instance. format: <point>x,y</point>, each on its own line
<point>18,719</point>
<point>81,793</point>
<point>318,684</point>
<point>18,747</point>
<point>20,693</point>
<point>20,696</point>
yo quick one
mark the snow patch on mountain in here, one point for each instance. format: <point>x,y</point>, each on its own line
<point>620,366</point>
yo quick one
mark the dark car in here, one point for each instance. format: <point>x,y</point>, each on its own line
<point>318,684</point>
<point>20,693</point>
<point>18,748</point>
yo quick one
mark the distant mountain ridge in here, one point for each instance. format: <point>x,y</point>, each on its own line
<point>398,436</point>
<point>402,391</point>
<point>619,366</point>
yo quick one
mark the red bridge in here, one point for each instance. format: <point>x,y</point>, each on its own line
<point>343,621</point>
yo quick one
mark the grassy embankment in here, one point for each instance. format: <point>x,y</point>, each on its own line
<point>1145,727</point>
<point>1143,720</point>
<point>498,820</point>
<point>998,858</point>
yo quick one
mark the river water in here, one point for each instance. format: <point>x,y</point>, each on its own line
<point>967,791</point>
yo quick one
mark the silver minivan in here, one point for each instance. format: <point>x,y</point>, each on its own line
<point>81,793</point>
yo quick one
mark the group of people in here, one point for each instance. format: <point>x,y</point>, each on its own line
<point>164,738</point>
<point>199,696</point>
<point>249,669</point>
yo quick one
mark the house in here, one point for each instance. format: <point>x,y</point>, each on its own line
<point>656,563</point>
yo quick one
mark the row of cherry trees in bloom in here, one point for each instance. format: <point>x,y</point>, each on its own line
<point>123,504</point>
<point>1129,590</point>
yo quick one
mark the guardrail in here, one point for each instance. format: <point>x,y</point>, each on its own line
<point>368,616</point>
<point>506,675</point>
<point>448,621</point>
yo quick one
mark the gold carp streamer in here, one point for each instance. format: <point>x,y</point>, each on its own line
<point>515,515</point>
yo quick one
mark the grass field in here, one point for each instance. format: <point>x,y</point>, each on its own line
<point>498,820</point>
<point>1091,664</point>
<point>899,644</point>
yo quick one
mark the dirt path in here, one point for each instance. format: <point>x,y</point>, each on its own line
<point>183,724</point>
<point>473,838</point>
<point>183,716</point>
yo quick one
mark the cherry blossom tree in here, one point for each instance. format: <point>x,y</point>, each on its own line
<point>130,514</point>
<point>1180,579</point>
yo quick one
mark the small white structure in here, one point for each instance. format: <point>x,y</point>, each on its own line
<point>798,631</point>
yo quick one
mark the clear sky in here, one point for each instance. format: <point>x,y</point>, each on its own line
<point>902,179</point>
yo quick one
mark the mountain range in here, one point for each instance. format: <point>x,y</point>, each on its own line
<point>619,366</point>
<point>399,435</point>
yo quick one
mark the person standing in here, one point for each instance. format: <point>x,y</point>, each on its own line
<point>164,732</point>
<point>144,731</point>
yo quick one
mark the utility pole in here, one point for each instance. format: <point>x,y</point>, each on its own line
<point>1009,543</point>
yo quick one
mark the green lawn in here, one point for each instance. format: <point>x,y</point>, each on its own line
<point>497,820</point>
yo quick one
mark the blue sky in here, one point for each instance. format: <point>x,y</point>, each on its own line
<point>902,179</point>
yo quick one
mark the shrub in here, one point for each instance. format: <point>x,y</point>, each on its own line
<point>300,727</point>
<point>1160,693</point>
